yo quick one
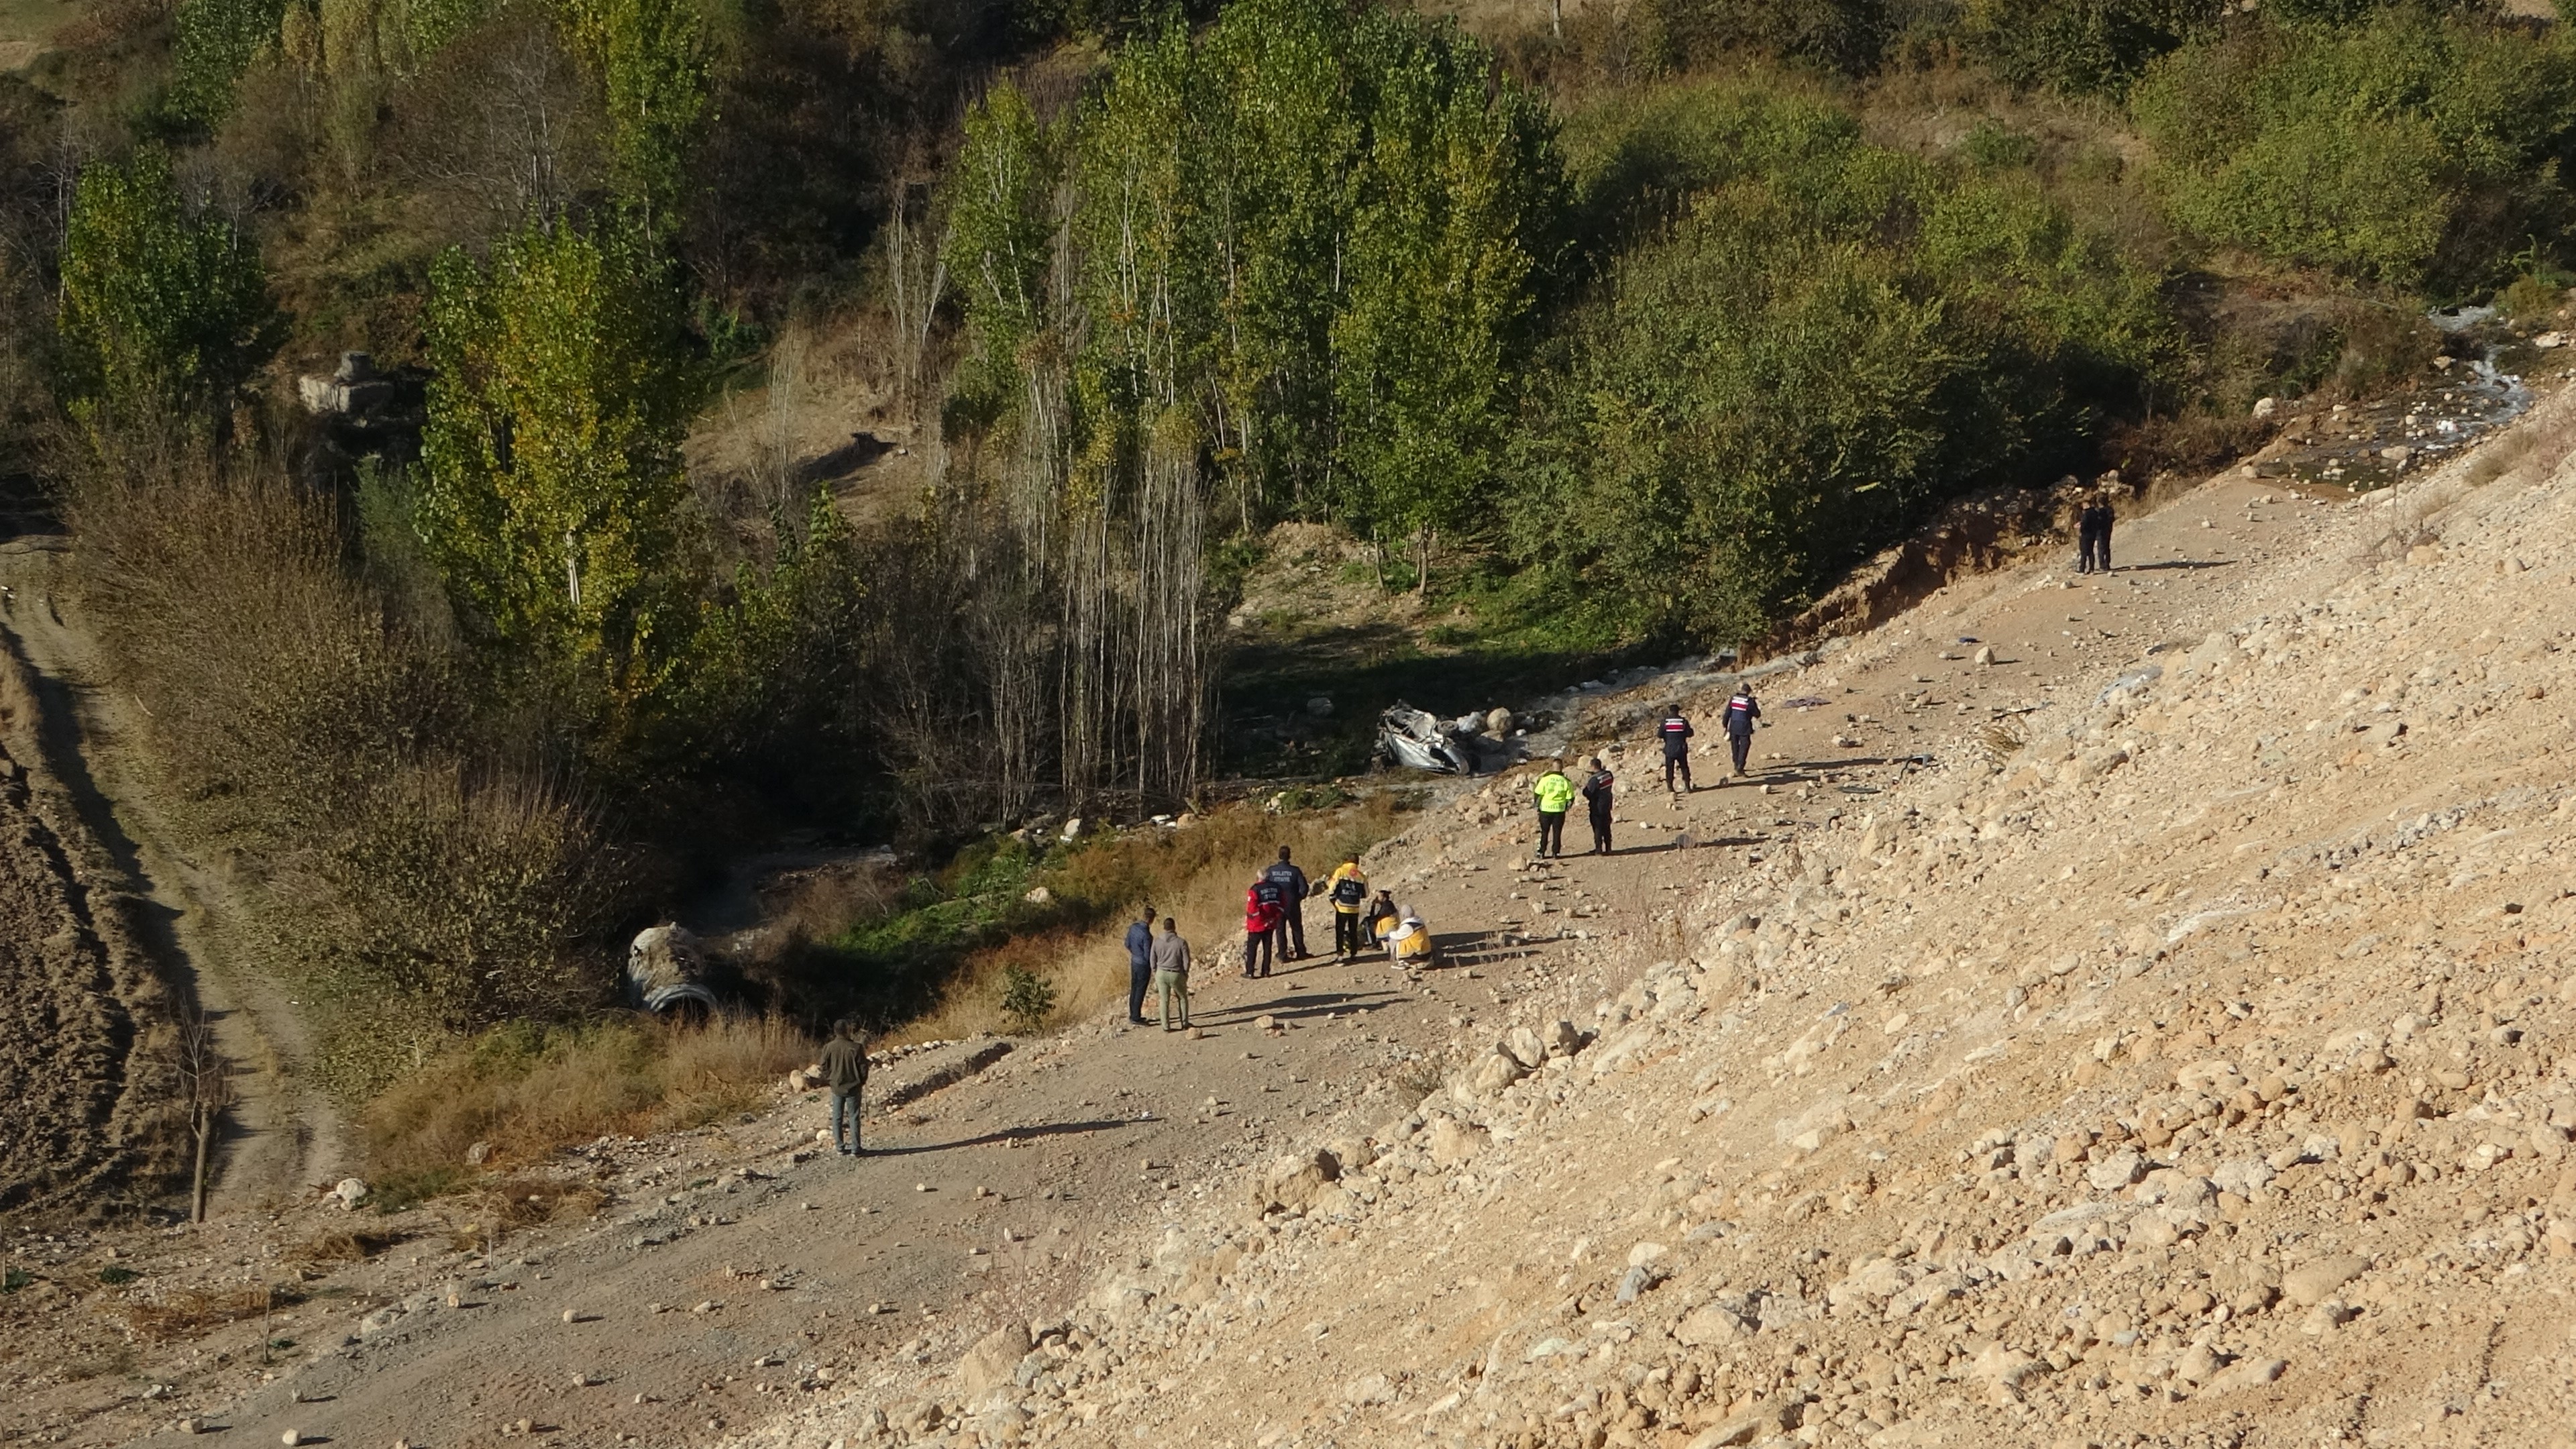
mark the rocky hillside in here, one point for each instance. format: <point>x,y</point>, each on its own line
<point>2183,1061</point>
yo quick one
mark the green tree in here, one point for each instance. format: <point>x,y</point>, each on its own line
<point>554,481</point>
<point>2412,148</point>
<point>213,42</point>
<point>651,61</point>
<point>160,309</point>
<point>1000,229</point>
<point>1451,208</point>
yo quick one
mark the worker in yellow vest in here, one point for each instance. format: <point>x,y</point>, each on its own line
<point>1555,795</point>
<point>1349,890</point>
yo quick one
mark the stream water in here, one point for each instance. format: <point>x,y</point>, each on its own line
<point>2478,388</point>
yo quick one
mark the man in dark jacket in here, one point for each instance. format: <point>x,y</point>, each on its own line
<point>1676,734</point>
<point>1292,922</point>
<point>1596,799</point>
<point>1140,964</point>
<point>1740,713</point>
<point>2097,546</point>
<point>845,1071</point>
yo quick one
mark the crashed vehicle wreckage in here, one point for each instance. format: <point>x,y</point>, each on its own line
<point>1420,740</point>
<point>666,973</point>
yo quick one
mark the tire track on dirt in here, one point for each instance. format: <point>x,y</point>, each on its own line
<point>283,1136</point>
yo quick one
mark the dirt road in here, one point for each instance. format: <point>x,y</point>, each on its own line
<point>283,1137</point>
<point>1086,1147</point>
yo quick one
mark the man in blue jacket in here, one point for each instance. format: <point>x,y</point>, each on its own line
<point>1291,936</point>
<point>1140,963</point>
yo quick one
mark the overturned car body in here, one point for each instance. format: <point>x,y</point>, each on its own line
<point>1419,740</point>
<point>666,972</point>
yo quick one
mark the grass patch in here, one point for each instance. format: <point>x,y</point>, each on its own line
<point>116,1275</point>
<point>526,1089</point>
<point>328,1251</point>
<point>1074,943</point>
<point>195,1310</point>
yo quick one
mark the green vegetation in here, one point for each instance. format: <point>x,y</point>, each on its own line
<point>1027,998</point>
<point>2407,147</point>
<point>161,310</point>
<point>1605,339</point>
<point>1831,337</point>
<point>552,457</point>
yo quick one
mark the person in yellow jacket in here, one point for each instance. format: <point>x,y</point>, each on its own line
<point>1349,890</point>
<point>1555,795</point>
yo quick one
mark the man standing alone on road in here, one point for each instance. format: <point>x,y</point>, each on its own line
<point>1596,798</point>
<point>1741,711</point>
<point>845,1071</point>
<point>1292,906</point>
<point>1172,973</point>
<point>1554,794</point>
<point>1140,964</point>
<point>1349,890</point>
<point>1676,733</point>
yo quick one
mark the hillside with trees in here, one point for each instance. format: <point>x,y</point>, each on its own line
<point>1600,331</point>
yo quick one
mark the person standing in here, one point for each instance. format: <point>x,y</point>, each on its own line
<point>1292,906</point>
<point>1140,964</point>
<point>1676,734</point>
<point>2084,538</point>
<point>845,1071</point>
<point>2103,517</point>
<point>1172,973</point>
<point>1737,719</point>
<point>1596,798</point>
<point>1349,889</point>
<point>1261,933</point>
<point>1554,794</point>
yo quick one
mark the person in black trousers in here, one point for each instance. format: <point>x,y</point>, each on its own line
<point>1740,713</point>
<point>1596,797</point>
<point>1292,905</point>
<point>1140,964</point>
<point>1676,733</point>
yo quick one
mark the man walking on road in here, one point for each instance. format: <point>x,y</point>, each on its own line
<point>1140,964</point>
<point>1596,798</point>
<point>845,1071</point>
<point>1676,733</point>
<point>1740,713</point>
<point>1172,973</point>
<point>1555,794</point>
<point>1261,934</point>
<point>1349,890</point>
<point>1292,906</point>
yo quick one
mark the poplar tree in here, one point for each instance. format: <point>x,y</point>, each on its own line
<point>553,476</point>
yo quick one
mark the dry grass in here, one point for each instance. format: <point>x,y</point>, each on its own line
<point>193,1311</point>
<point>1196,876</point>
<point>329,1250</point>
<point>527,1090</point>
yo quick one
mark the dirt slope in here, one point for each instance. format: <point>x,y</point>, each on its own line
<point>2190,1072</point>
<point>82,1065</point>
<point>1813,1031</point>
<point>282,1136</point>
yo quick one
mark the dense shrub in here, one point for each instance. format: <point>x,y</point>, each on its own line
<point>2411,148</point>
<point>1830,339</point>
<point>161,309</point>
<point>2079,46</point>
<point>416,874</point>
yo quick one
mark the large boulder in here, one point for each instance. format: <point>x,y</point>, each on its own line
<point>991,1362</point>
<point>1294,1182</point>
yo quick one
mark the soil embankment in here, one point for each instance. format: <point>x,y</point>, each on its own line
<point>281,1136</point>
<point>2125,1009</point>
